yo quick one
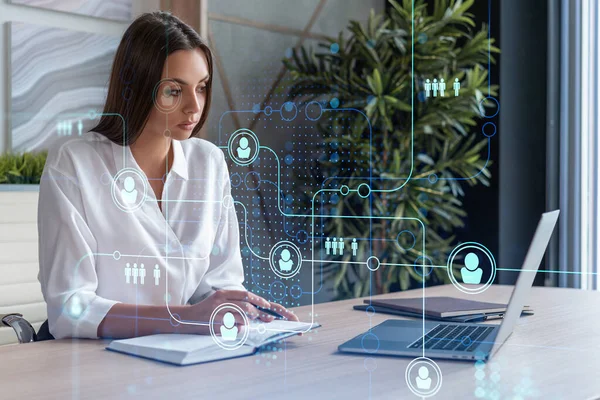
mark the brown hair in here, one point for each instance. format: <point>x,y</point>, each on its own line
<point>137,69</point>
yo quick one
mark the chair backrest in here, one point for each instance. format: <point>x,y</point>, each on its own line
<point>20,291</point>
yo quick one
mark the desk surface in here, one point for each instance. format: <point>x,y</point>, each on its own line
<point>553,354</point>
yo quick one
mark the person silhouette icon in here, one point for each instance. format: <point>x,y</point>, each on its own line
<point>156,274</point>
<point>435,86</point>
<point>243,151</point>
<point>427,88</point>
<point>327,246</point>
<point>423,380</point>
<point>229,331</point>
<point>456,87</point>
<point>442,87</point>
<point>135,272</point>
<point>286,263</point>
<point>166,97</point>
<point>471,273</point>
<point>127,273</point>
<point>129,191</point>
<point>142,274</point>
<point>354,247</point>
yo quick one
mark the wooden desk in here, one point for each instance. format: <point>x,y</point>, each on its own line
<point>554,354</point>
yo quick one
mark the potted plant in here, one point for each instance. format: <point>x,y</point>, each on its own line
<point>22,169</point>
<point>19,189</point>
<point>374,71</point>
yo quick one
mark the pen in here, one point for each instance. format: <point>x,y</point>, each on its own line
<point>259,308</point>
<point>270,312</point>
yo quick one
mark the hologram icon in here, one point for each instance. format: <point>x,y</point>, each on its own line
<point>435,86</point>
<point>243,151</point>
<point>142,274</point>
<point>286,263</point>
<point>129,192</point>
<point>243,147</point>
<point>229,331</point>
<point>427,88</point>
<point>456,87</point>
<point>471,273</point>
<point>167,96</point>
<point>129,189</point>
<point>427,380</point>
<point>334,246</point>
<point>127,273</point>
<point>136,272</point>
<point>231,336</point>
<point>341,246</point>
<point>285,259</point>
<point>354,247</point>
<point>327,246</point>
<point>442,87</point>
<point>156,274</point>
<point>423,380</point>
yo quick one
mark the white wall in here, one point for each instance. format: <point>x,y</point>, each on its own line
<point>20,13</point>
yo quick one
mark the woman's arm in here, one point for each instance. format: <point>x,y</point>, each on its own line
<point>130,320</point>
<point>67,256</point>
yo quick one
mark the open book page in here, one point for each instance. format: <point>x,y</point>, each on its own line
<point>184,349</point>
<point>169,342</point>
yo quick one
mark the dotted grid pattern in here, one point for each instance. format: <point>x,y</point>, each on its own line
<point>290,218</point>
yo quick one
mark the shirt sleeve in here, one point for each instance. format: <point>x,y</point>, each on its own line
<point>225,270</point>
<point>66,256</point>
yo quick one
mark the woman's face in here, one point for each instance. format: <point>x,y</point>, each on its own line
<point>180,96</point>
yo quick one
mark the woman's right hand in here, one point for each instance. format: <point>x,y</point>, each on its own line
<point>201,312</point>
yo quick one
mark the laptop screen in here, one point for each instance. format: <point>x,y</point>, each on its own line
<point>529,269</point>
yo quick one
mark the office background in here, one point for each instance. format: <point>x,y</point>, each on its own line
<point>545,154</point>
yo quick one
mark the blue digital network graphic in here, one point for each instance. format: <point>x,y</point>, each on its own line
<point>284,257</point>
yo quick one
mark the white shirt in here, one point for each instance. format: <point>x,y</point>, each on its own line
<point>88,234</point>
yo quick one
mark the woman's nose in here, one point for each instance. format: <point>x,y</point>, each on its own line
<point>192,103</point>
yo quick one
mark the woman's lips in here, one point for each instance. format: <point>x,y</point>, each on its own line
<point>187,126</point>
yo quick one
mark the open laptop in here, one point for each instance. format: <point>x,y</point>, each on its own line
<point>446,340</point>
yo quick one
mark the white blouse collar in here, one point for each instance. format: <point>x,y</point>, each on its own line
<point>124,159</point>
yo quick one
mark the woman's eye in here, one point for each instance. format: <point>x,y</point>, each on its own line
<point>201,89</point>
<point>175,92</point>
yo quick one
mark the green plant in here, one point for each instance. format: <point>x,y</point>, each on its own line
<point>373,72</point>
<point>25,168</point>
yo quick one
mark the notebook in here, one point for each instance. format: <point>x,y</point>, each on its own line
<point>443,307</point>
<point>459,318</point>
<point>185,349</point>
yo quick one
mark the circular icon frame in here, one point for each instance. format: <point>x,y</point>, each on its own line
<point>273,252</point>
<point>418,362</point>
<point>458,285</point>
<point>176,103</point>
<point>141,178</point>
<point>377,261</point>
<point>238,343</point>
<point>294,111</point>
<point>232,141</point>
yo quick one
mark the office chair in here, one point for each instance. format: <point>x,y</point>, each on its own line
<point>23,329</point>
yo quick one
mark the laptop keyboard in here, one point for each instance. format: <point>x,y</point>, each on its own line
<point>453,337</point>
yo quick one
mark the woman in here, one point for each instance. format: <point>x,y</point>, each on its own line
<point>137,229</point>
